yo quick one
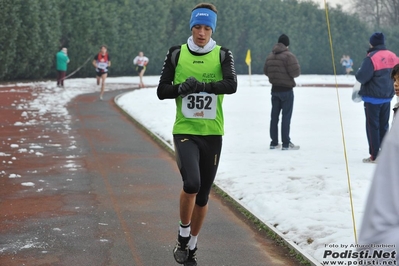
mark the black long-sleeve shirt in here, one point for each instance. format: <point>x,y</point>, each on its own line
<point>228,85</point>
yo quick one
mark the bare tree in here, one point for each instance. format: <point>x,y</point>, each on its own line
<point>391,8</point>
<point>377,13</point>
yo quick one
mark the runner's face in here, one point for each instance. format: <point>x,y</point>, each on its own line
<point>103,50</point>
<point>396,84</point>
<point>201,34</point>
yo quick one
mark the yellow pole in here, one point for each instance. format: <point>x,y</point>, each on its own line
<point>341,122</point>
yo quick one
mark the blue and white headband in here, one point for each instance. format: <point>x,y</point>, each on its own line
<point>203,16</point>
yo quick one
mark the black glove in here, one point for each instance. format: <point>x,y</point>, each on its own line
<point>191,85</point>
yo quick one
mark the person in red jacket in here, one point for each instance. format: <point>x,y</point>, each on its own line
<point>102,61</point>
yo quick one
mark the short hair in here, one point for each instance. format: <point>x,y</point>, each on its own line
<point>206,5</point>
<point>395,71</point>
<point>103,46</point>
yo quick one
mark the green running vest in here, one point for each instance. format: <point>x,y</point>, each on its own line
<point>199,113</point>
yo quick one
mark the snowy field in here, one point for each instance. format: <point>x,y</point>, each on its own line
<point>304,194</point>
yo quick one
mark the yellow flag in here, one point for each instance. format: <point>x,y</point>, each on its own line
<point>248,57</point>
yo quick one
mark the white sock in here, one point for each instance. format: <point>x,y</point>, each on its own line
<point>184,230</point>
<point>192,243</point>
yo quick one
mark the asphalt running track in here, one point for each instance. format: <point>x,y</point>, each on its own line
<point>98,190</point>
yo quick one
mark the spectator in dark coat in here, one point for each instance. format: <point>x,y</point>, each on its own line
<point>377,91</point>
<point>282,67</point>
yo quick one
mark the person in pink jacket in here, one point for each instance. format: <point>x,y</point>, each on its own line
<point>380,225</point>
<point>376,91</point>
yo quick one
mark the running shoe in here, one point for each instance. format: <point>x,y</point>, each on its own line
<point>192,258</point>
<point>180,252</point>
